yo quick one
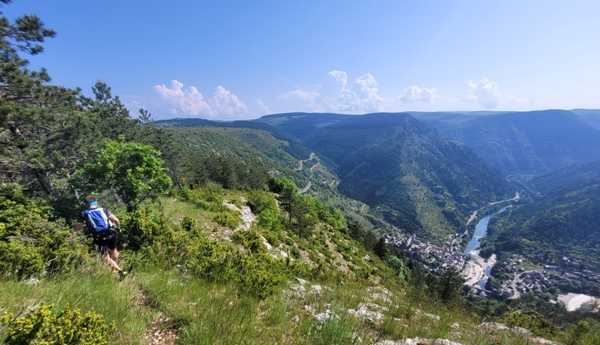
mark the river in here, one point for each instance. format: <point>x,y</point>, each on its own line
<point>478,270</point>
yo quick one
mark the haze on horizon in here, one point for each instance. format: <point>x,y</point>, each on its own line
<point>236,59</point>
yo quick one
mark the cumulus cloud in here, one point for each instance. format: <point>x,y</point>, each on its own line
<point>263,108</point>
<point>224,102</point>
<point>418,94</point>
<point>190,101</point>
<point>485,92</point>
<point>339,94</point>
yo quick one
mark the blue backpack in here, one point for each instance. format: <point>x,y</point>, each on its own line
<point>97,220</point>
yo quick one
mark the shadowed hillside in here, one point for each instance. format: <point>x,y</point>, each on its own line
<point>399,165</point>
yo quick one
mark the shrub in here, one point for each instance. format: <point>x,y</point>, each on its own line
<point>210,194</point>
<point>256,272</point>
<point>531,321</point>
<point>260,274</point>
<point>30,242</point>
<point>399,266</point>
<point>209,259</point>
<point>250,240</point>
<point>265,207</point>
<point>45,326</point>
<point>332,217</point>
<point>260,201</point>
<point>142,227</point>
<point>304,214</point>
<point>227,218</point>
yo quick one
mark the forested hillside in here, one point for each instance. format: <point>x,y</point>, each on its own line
<point>526,143</point>
<point>556,233</point>
<point>400,166</point>
<point>560,223</point>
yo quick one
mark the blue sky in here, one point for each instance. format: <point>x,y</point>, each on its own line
<point>242,59</point>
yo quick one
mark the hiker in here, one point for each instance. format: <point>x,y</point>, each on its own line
<point>102,224</point>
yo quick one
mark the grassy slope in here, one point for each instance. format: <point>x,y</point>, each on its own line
<point>154,301</point>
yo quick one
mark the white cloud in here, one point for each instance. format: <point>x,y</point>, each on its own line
<point>263,108</point>
<point>418,94</point>
<point>338,94</point>
<point>190,101</point>
<point>485,92</point>
<point>224,102</point>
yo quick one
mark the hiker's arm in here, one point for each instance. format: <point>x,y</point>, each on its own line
<point>114,219</point>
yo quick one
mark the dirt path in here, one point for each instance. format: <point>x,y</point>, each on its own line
<point>163,330</point>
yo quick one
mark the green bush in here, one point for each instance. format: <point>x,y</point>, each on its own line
<point>255,271</point>
<point>142,227</point>
<point>260,201</point>
<point>399,266</point>
<point>260,274</point>
<point>210,259</point>
<point>45,326</point>
<point>30,242</point>
<point>135,171</point>
<point>530,320</point>
<point>210,196</point>
<point>250,240</point>
<point>264,205</point>
<point>227,218</point>
<point>333,217</point>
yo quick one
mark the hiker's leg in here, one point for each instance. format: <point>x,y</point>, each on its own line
<point>114,254</point>
<point>111,262</point>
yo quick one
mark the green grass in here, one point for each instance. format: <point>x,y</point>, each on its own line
<point>96,289</point>
<point>209,313</point>
<point>220,312</point>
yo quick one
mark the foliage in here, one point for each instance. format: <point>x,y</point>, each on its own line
<point>447,285</point>
<point>135,171</point>
<point>414,178</point>
<point>561,223</point>
<point>46,326</point>
<point>583,332</point>
<point>142,227</point>
<point>264,205</point>
<point>256,272</point>
<point>399,266</point>
<point>227,218</point>
<point>304,211</point>
<point>304,215</point>
<point>530,320</point>
<point>30,242</point>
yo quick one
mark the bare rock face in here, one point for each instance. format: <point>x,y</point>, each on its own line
<point>325,315</point>
<point>248,218</point>
<point>368,311</point>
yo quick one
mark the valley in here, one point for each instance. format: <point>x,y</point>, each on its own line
<point>385,163</point>
<point>297,204</point>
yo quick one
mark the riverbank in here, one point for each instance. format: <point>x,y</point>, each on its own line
<point>574,302</point>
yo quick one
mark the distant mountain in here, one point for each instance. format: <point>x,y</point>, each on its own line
<point>589,116</point>
<point>561,223</point>
<point>400,166</point>
<point>568,178</point>
<point>523,143</point>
